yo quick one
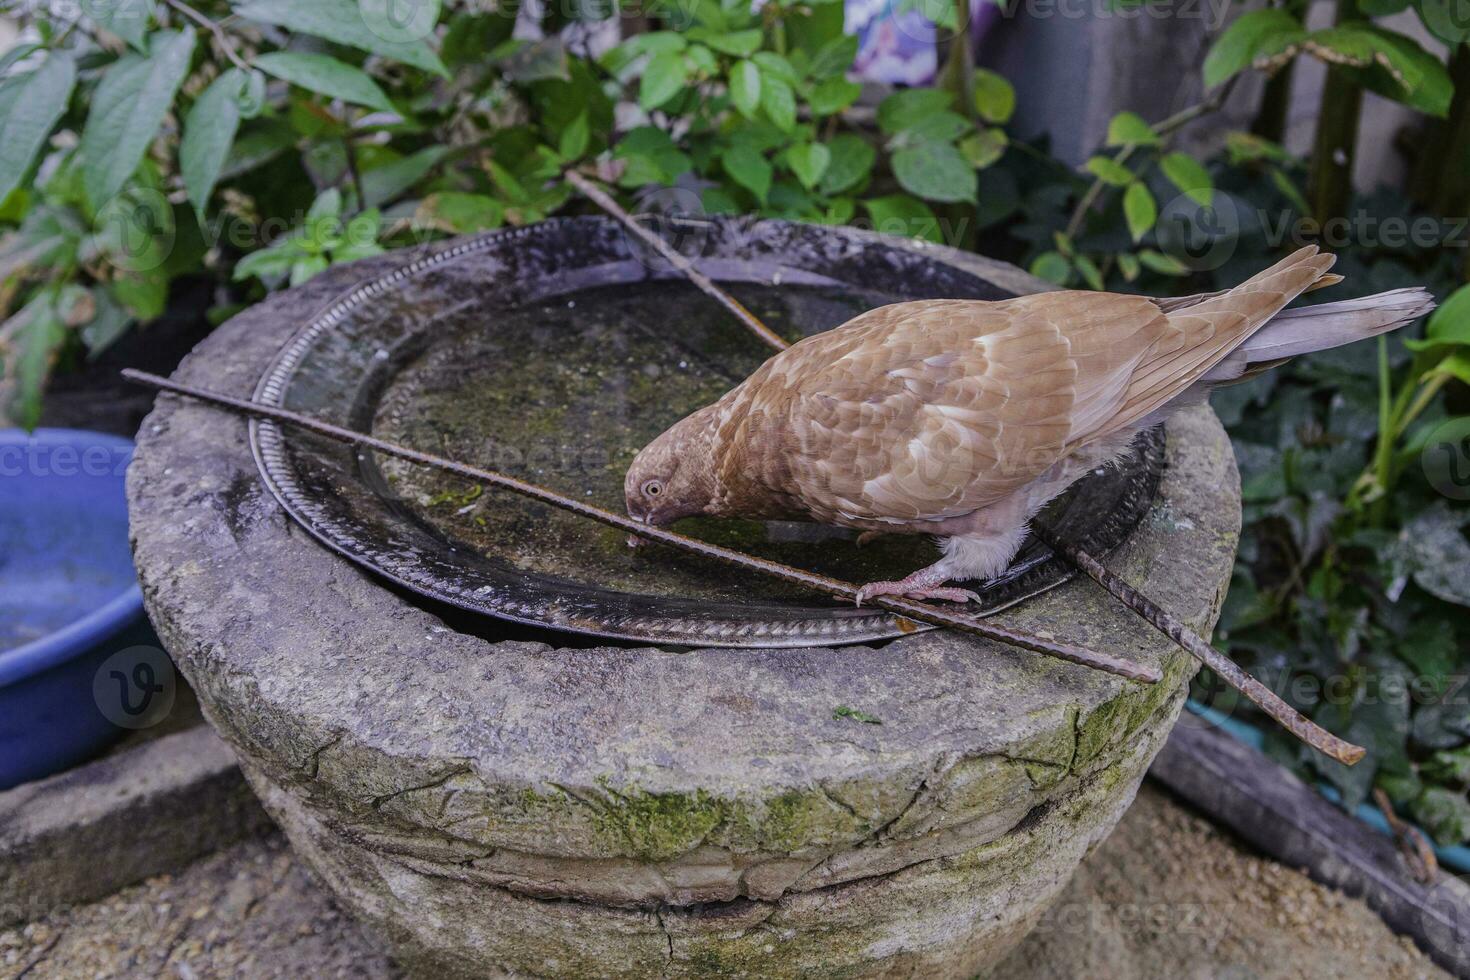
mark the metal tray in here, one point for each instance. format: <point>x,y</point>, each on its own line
<point>554,352</point>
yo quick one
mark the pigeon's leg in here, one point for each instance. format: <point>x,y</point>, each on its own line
<point>926,583</point>
<point>868,536</point>
<point>977,554</point>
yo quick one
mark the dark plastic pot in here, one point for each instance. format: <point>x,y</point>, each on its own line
<point>68,595</point>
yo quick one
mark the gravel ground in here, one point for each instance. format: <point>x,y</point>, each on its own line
<point>1167,896</point>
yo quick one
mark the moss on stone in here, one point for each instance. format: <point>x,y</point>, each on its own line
<point>659,826</point>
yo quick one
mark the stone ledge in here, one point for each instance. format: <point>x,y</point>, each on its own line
<point>93,830</point>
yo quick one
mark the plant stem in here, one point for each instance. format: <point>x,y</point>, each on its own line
<point>959,63</point>
<point>1270,121</point>
<point>1330,184</point>
<point>918,611</point>
<point>220,36</point>
<point>1164,129</point>
<point>1447,178</point>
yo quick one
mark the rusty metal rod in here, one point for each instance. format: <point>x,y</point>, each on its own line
<point>1266,699</point>
<point>600,198</point>
<point>1287,716</point>
<point>911,609</point>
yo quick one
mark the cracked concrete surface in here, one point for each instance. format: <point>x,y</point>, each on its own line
<point>452,788</point>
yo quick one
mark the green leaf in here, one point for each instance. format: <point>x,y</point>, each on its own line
<point>809,162</point>
<point>833,95</point>
<point>1449,324</point>
<point>1128,128</point>
<point>108,323</point>
<point>144,296</point>
<point>748,169</point>
<point>1053,267</point>
<point>663,79</point>
<point>128,19</point>
<point>1449,766</point>
<point>835,57</point>
<point>995,99</point>
<point>1186,174</point>
<point>774,65</point>
<point>1245,38</point>
<point>779,102</point>
<point>307,266</point>
<point>1438,555</point>
<point>899,214</point>
<point>1140,210</point>
<point>906,107</point>
<point>537,61</point>
<point>457,212</point>
<point>1406,72</point>
<point>651,157</point>
<point>209,131</point>
<point>1457,365</point>
<point>127,108</point>
<point>938,127</point>
<point>657,42</point>
<point>1129,265</point>
<point>852,159</point>
<point>574,139</point>
<point>16,55</point>
<point>373,25</point>
<point>38,333</point>
<point>718,200</point>
<point>985,147</point>
<point>1445,814</point>
<point>1110,171</point>
<point>935,171</point>
<point>1091,274</point>
<point>745,88</point>
<point>1163,264</point>
<point>34,102</point>
<point>1343,44</point>
<point>257,144</point>
<point>740,44</point>
<point>327,76</point>
<point>843,711</point>
<point>383,184</point>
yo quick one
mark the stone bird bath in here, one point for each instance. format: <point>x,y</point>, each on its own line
<point>503,801</point>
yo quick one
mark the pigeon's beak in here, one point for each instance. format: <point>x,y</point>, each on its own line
<point>634,541</point>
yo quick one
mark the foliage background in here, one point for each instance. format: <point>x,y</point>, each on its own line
<point>150,144</point>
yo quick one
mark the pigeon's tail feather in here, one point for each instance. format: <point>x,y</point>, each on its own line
<point>1307,329</point>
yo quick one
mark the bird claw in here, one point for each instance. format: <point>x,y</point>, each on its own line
<point>913,590</point>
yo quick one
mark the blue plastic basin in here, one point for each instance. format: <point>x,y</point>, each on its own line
<point>68,594</point>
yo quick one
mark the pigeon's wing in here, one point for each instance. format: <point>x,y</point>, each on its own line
<point>929,410</point>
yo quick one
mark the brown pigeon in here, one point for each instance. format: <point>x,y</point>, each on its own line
<point>961,418</point>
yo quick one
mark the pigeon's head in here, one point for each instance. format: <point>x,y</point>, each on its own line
<point>673,476</point>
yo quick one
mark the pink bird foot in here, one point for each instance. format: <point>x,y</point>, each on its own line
<point>917,586</point>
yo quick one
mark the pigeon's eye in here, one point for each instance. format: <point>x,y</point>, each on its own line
<point>653,488</point>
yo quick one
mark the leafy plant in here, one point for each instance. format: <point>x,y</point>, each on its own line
<point>259,142</point>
